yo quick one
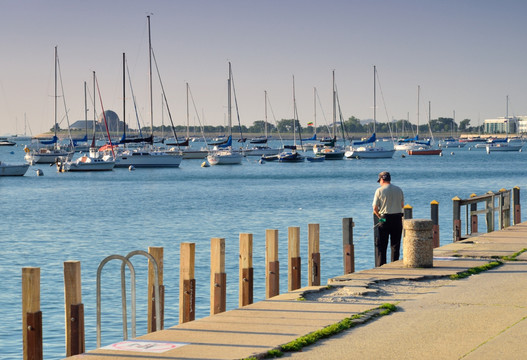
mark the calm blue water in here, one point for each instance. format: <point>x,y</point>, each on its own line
<point>67,216</point>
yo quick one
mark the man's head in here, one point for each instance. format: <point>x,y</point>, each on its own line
<point>384,177</point>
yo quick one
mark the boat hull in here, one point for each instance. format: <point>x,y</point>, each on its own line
<point>228,158</point>
<point>148,160</point>
<point>373,153</point>
<point>13,169</point>
<point>425,152</point>
<point>50,157</point>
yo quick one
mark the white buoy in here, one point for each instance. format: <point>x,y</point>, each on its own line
<point>39,172</point>
<point>131,168</point>
<point>261,161</point>
<point>205,164</point>
<point>452,153</point>
<point>441,154</point>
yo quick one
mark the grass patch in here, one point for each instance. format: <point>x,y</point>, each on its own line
<point>513,256</point>
<point>475,270</point>
<point>298,344</point>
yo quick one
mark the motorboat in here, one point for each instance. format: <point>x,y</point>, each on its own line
<point>13,169</point>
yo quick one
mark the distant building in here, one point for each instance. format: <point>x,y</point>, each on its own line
<point>114,124</point>
<point>522,124</point>
<point>501,125</point>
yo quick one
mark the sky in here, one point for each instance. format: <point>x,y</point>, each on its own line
<point>466,56</point>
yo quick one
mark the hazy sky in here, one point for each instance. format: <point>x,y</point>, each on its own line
<point>467,56</point>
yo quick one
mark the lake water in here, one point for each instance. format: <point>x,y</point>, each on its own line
<point>57,217</point>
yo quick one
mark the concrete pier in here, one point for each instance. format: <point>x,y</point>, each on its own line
<point>483,316</point>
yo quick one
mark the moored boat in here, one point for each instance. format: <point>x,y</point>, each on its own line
<point>13,169</point>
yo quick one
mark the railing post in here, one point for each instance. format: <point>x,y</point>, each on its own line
<point>74,309</point>
<point>272,265</point>
<point>157,254</point>
<point>313,250</point>
<point>456,211</point>
<point>489,212</point>
<point>294,281</point>
<point>517,206</point>
<point>408,212</point>
<point>187,283</point>
<point>347,245</point>
<point>31,314</point>
<point>473,216</point>
<point>218,277</point>
<point>434,215</point>
<point>246,270</point>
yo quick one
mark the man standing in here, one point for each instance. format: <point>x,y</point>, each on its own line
<point>388,204</point>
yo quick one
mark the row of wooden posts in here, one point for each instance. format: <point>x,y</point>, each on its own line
<point>74,308</point>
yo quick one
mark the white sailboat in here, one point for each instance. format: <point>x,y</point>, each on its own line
<point>425,148</point>
<point>224,154</point>
<point>290,154</point>
<point>367,149</point>
<point>51,151</point>
<point>331,151</point>
<point>189,152</point>
<point>147,156</point>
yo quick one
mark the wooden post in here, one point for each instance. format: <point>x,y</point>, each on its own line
<point>456,212</point>
<point>157,254</point>
<point>347,245</point>
<point>187,283</point>
<point>31,314</point>
<point>74,309</point>
<point>272,265</point>
<point>517,206</point>
<point>489,216</point>
<point>473,216</point>
<point>246,270</point>
<point>408,212</point>
<point>218,277</point>
<point>313,250</point>
<point>434,215</point>
<point>294,278</point>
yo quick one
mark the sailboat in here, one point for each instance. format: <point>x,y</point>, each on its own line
<point>331,150</point>
<point>504,144</point>
<point>367,149</point>
<point>147,156</point>
<point>290,153</point>
<point>224,154</point>
<point>452,142</point>
<point>425,148</point>
<point>92,161</point>
<point>261,150</point>
<point>36,154</point>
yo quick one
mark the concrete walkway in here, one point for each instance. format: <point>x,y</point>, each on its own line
<point>480,317</point>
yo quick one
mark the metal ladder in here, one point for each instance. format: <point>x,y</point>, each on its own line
<point>126,262</point>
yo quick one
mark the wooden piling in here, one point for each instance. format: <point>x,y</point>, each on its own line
<point>313,250</point>
<point>218,277</point>
<point>434,215</point>
<point>272,265</point>
<point>456,212</point>
<point>408,212</point>
<point>74,309</point>
<point>187,283</point>
<point>157,254</point>
<point>347,245</point>
<point>516,204</point>
<point>246,270</point>
<point>294,277</point>
<point>31,314</point>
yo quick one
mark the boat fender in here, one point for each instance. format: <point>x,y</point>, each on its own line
<point>131,168</point>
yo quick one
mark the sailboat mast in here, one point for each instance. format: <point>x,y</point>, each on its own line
<point>150,78</point>
<point>85,111</point>
<point>94,112</point>
<point>315,108</point>
<point>418,92</point>
<point>229,109</point>
<point>334,106</point>
<point>56,60</point>
<point>265,112</point>
<point>294,113</point>
<point>188,119</point>
<point>124,95</point>
<point>374,100</point>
